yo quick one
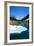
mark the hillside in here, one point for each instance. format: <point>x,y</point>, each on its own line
<point>14,21</point>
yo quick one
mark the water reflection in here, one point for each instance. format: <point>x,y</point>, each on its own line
<point>19,32</point>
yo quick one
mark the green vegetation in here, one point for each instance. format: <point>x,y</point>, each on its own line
<point>23,21</point>
<point>18,22</point>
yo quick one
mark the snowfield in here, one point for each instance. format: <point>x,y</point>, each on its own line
<point>17,29</point>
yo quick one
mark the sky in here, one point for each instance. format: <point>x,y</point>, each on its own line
<point>19,12</point>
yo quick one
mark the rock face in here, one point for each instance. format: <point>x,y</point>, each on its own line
<point>14,18</point>
<point>26,17</point>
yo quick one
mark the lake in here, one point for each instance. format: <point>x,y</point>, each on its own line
<point>17,28</point>
<point>19,32</point>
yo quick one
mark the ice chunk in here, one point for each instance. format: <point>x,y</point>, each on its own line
<point>17,29</point>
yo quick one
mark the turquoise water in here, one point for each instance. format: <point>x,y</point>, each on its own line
<point>19,32</point>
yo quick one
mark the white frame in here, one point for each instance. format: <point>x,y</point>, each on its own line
<point>30,24</point>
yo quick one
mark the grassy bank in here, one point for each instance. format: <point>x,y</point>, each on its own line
<point>18,22</point>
